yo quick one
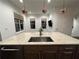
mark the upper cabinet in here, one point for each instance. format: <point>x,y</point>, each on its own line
<point>19,22</point>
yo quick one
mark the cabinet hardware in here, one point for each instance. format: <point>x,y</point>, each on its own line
<point>68,48</point>
<point>50,51</point>
<point>68,52</point>
<point>4,49</point>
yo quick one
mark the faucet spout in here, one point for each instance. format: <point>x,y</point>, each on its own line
<point>40,32</point>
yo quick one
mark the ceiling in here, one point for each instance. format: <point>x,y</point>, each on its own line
<point>35,6</point>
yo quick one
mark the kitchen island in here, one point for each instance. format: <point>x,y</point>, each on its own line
<point>18,47</point>
<point>23,38</point>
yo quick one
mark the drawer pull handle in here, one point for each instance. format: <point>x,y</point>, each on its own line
<point>68,48</point>
<point>68,52</point>
<point>50,51</point>
<point>3,49</point>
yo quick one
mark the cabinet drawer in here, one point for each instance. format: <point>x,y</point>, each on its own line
<point>67,48</point>
<point>40,48</point>
<point>11,48</point>
<point>49,48</point>
<point>32,48</point>
<point>11,52</point>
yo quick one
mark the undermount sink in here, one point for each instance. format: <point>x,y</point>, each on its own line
<point>40,39</point>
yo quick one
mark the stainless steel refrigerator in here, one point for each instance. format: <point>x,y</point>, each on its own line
<point>0,37</point>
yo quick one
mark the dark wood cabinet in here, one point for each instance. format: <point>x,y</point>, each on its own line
<point>50,52</point>
<point>39,52</point>
<point>11,52</point>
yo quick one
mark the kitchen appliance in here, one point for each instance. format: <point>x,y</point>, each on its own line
<point>0,37</point>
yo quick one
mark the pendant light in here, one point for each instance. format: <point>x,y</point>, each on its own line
<point>64,9</point>
<point>44,10</point>
<point>24,10</point>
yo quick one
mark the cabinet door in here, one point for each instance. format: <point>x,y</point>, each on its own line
<point>31,55</point>
<point>11,52</point>
<point>49,52</point>
<point>31,52</point>
<point>77,53</point>
<point>49,55</point>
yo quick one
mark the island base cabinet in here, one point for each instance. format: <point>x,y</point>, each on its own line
<point>39,52</point>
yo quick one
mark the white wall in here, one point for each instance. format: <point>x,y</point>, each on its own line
<point>75,31</point>
<point>7,26</point>
<point>37,22</point>
<point>61,23</point>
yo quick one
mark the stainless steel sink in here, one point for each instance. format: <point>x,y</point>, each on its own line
<point>40,39</point>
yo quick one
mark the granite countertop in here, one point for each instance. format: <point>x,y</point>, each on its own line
<point>22,39</point>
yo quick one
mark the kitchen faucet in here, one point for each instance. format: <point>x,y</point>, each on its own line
<point>40,31</point>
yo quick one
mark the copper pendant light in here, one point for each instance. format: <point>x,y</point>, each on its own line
<point>24,10</point>
<point>44,10</point>
<point>64,9</point>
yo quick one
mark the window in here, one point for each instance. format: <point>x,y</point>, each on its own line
<point>18,25</point>
<point>32,23</point>
<point>43,23</point>
<point>50,23</point>
<point>18,22</point>
<point>21,24</point>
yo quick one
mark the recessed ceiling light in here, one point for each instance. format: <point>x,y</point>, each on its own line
<point>21,1</point>
<point>49,1</point>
